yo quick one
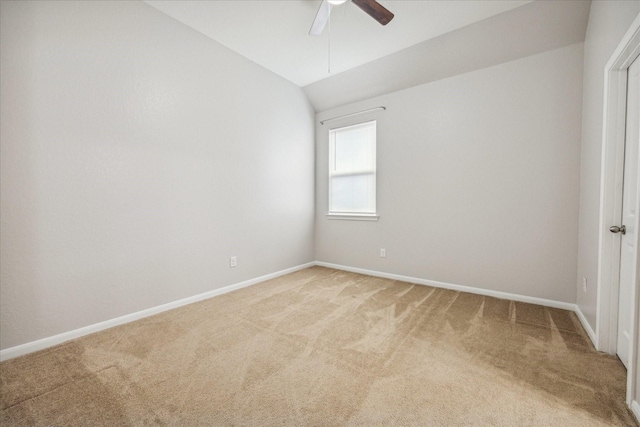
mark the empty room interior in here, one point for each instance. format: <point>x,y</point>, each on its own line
<point>319,213</point>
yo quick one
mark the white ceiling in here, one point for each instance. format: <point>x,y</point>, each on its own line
<point>528,30</point>
<point>274,33</point>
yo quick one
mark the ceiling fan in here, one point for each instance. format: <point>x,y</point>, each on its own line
<point>370,7</point>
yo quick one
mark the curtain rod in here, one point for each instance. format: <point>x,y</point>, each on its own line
<point>353,114</point>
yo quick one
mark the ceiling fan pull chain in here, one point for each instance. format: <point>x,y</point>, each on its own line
<point>329,48</point>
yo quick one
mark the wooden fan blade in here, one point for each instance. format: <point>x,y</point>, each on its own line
<point>322,17</point>
<point>374,10</point>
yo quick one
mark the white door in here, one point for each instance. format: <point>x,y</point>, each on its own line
<point>629,234</point>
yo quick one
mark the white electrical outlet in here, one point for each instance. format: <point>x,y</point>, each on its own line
<point>584,284</point>
<point>383,253</point>
<point>233,261</point>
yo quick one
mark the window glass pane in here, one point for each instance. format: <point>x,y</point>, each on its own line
<point>353,193</point>
<point>354,149</point>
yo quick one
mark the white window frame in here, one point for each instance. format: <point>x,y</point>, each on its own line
<point>358,216</point>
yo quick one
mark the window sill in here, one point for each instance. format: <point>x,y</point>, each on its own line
<point>353,217</point>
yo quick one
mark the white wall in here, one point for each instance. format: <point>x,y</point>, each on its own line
<point>608,22</point>
<point>478,180</point>
<point>137,156</point>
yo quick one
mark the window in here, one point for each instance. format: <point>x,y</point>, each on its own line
<point>352,171</point>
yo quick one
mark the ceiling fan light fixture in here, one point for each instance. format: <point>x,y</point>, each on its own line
<point>370,7</point>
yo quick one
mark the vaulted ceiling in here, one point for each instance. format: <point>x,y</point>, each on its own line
<point>427,40</point>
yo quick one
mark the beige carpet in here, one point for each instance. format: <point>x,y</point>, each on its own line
<point>322,347</point>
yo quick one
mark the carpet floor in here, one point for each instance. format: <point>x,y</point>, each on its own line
<point>321,347</point>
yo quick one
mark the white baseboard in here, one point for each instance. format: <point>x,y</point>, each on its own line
<point>30,347</point>
<point>587,327</point>
<point>44,343</point>
<point>454,287</point>
<point>635,408</point>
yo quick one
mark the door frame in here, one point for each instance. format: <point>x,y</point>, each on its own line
<point>612,168</point>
